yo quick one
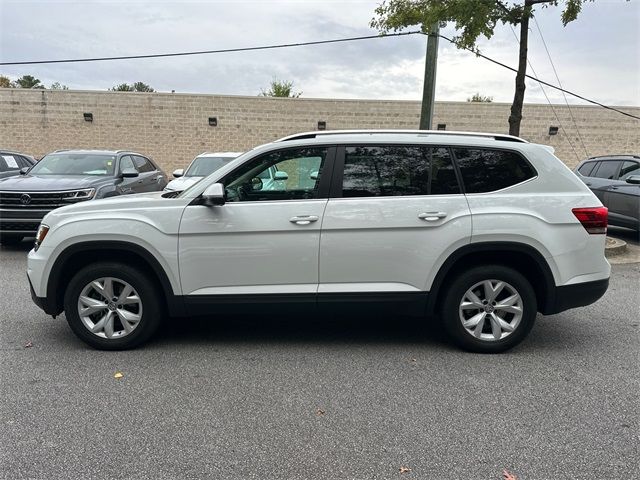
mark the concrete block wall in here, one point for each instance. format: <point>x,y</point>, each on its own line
<point>172,128</point>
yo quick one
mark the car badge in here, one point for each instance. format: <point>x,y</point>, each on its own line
<point>25,199</point>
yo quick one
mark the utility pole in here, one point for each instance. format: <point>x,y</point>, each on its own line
<point>429,88</point>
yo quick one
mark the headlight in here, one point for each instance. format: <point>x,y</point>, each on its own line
<point>79,195</point>
<point>40,235</point>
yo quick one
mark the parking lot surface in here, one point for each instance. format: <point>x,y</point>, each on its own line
<point>321,398</point>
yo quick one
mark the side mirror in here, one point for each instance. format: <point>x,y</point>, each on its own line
<point>24,170</point>
<point>281,175</point>
<point>214,195</point>
<point>634,179</point>
<point>178,173</point>
<point>129,173</point>
<point>256,184</point>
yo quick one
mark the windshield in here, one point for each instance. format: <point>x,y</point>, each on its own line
<point>75,164</point>
<point>203,166</point>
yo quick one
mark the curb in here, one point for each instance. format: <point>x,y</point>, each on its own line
<point>614,247</point>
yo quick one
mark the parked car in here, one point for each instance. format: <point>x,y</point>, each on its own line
<point>615,179</point>
<point>484,229</point>
<point>201,166</point>
<point>65,177</point>
<point>12,162</point>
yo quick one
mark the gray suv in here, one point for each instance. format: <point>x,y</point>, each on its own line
<point>65,177</point>
<point>615,179</point>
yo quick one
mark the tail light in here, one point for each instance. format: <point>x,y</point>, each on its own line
<point>593,219</point>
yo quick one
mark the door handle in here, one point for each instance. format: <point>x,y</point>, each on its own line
<point>431,216</point>
<point>304,219</point>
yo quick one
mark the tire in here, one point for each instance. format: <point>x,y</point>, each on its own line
<point>11,239</point>
<point>487,329</point>
<point>134,315</point>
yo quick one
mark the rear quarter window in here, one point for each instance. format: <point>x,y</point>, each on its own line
<point>486,170</point>
<point>587,168</point>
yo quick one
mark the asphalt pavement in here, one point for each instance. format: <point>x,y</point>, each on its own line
<point>323,398</point>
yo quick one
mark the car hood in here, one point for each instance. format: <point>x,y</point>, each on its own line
<point>182,183</point>
<point>44,183</point>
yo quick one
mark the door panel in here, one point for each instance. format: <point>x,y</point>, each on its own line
<point>382,244</point>
<point>401,209</point>
<point>253,246</point>
<point>265,239</point>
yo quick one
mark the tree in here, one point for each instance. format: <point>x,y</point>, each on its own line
<point>58,86</point>
<point>472,19</point>
<point>280,88</point>
<point>476,97</point>
<point>5,82</point>
<point>28,81</point>
<point>142,87</point>
<point>135,87</point>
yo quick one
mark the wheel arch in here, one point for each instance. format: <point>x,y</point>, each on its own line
<point>75,256</point>
<point>524,258</point>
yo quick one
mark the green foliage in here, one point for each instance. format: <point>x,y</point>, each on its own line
<point>280,88</point>
<point>135,87</point>
<point>58,86</point>
<point>471,18</point>
<point>5,82</point>
<point>476,97</point>
<point>28,81</point>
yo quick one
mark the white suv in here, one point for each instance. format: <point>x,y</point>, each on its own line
<point>484,230</point>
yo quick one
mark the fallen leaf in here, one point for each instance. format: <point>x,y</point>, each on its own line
<point>320,412</point>
<point>413,360</point>
<point>506,475</point>
<point>28,345</point>
<point>404,469</point>
<point>118,375</point>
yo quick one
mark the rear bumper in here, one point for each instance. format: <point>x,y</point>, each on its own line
<point>576,295</point>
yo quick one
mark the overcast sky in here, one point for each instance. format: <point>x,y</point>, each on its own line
<point>597,56</point>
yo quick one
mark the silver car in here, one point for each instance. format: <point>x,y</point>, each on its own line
<point>200,167</point>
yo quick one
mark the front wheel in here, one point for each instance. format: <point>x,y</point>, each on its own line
<point>489,309</point>
<point>112,306</point>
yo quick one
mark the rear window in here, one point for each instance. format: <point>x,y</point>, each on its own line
<point>485,170</point>
<point>587,168</point>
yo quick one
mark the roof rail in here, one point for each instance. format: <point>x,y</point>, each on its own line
<point>616,155</point>
<point>321,133</point>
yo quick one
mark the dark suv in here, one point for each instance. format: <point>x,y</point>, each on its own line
<point>615,179</point>
<point>12,162</point>
<point>65,177</point>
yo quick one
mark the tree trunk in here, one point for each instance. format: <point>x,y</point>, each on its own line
<point>518,99</point>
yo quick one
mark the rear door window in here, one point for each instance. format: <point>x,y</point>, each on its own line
<point>398,170</point>
<point>607,170</point>
<point>485,170</point>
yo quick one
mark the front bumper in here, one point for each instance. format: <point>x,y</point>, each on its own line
<point>43,303</point>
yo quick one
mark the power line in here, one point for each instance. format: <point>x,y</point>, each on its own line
<point>540,81</point>
<point>566,136</point>
<point>207,52</point>
<point>560,83</point>
<point>301,44</point>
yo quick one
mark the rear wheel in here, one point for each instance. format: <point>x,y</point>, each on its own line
<point>113,306</point>
<point>489,309</point>
<point>10,239</point>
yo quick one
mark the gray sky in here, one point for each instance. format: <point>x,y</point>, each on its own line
<point>597,56</point>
